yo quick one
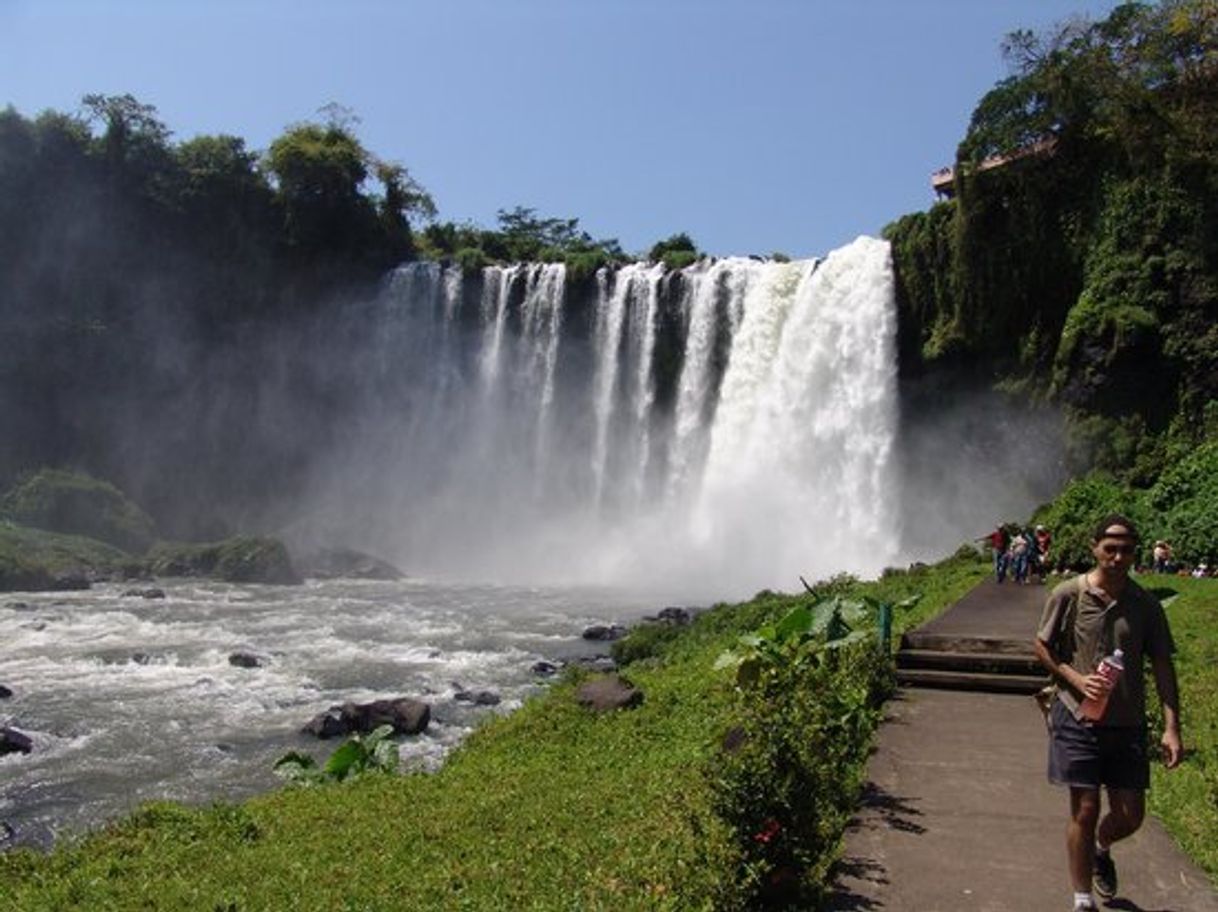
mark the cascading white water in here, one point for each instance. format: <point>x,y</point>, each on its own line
<point>717,431</point>
<point>700,434</point>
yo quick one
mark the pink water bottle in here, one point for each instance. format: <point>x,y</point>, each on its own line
<point>1110,669</point>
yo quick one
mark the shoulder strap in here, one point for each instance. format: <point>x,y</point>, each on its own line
<point>1069,617</point>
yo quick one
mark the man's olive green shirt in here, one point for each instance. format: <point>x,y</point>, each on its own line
<point>1135,623</point>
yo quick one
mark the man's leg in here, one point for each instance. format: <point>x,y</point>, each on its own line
<point>1126,808</point>
<point>1080,835</point>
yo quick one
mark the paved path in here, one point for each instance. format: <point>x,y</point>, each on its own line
<point>958,815</point>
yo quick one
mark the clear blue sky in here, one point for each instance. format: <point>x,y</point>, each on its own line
<point>755,125</point>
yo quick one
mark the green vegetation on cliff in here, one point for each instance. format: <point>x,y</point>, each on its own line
<point>1079,250</point>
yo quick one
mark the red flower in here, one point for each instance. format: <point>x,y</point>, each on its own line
<point>769,830</point>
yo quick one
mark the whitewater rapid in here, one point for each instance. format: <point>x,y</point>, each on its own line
<point>130,699</point>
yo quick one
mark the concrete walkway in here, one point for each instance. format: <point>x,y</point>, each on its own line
<point>958,815</point>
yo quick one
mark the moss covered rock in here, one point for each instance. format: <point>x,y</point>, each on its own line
<point>34,559</point>
<point>72,503</point>
<point>241,559</point>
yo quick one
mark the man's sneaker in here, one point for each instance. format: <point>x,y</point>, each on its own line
<point>1085,907</point>
<point>1104,876</point>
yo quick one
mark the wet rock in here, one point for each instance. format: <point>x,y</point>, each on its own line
<point>406,715</point>
<point>141,658</point>
<point>677,617</point>
<point>478,698</point>
<point>608,694</point>
<point>601,663</point>
<point>21,606</point>
<point>8,835</point>
<point>604,633</point>
<point>14,742</point>
<point>149,593</point>
<point>328,724</point>
<point>329,563</point>
<point>36,626</point>
<point>5,693</point>
<point>544,669</point>
<point>247,660</point>
<point>69,581</point>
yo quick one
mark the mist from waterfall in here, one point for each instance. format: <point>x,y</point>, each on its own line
<point>713,431</point>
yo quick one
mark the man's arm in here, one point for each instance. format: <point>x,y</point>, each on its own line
<point>1169,696</point>
<point>1092,685</point>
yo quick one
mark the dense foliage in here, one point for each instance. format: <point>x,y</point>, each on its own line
<point>1181,508</point>
<point>1080,247</point>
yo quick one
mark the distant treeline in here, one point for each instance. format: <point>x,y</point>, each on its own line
<point>158,298</point>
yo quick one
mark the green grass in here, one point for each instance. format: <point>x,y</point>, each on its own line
<point>1186,798</point>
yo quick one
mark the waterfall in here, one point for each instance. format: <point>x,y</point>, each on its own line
<point>719,429</point>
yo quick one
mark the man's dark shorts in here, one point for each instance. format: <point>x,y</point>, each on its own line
<point>1089,756</point>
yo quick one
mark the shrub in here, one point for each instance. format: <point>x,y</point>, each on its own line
<point>1073,515</point>
<point>470,259</point>
<point>357,756</point>
<point>582,264</point>
<point>643,642</point>
<point>1184,502</point>
<point>810,687</point>
<point>679,259</point>
<point>74,503</point>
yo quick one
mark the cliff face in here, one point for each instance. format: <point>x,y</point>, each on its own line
<point>1086,274</point>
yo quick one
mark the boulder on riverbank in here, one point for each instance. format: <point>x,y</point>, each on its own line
<point>608,694</point>
<point>35,560</point>
<point>477,697</point>
<point>346,563</point>
<point>406,715</point>
<point>241,559</point>
<point>604,633</point>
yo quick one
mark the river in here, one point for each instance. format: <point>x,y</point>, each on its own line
<point>130,699</point>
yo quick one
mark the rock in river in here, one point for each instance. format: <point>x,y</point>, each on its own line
<point>14,742</point>
<point>407,716</point>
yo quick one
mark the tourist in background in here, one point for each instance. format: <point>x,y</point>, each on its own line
<point>1161,557</point>
<point>998,541</point>
<point>1043,540</point>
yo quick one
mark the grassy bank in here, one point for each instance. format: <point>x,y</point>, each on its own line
<point>1186,799</point>
<point>548,808</point>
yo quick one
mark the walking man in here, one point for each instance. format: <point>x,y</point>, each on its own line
<point>1085,620</point>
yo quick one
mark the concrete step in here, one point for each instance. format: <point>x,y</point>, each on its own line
<point>990,662</point>
<point>975,681</point>
<point>951,642</point>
